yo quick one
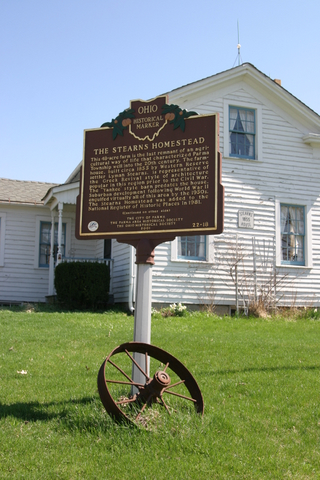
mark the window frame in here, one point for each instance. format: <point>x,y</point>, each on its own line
<point>257,108</point>
<point>308,261</point>
<point>64,228</point>
<point>293,235</point>
<point>209,254</point>
<point>193,241</point>
<point>242,133</point>
<point>43,218</point>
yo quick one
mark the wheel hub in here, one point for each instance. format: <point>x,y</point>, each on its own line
<point>154,388</point>
<point>162,378</point>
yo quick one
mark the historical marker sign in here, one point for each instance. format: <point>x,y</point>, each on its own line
<point>154,170</point>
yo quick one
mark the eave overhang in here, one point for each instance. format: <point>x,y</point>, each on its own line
<point>312,139</point>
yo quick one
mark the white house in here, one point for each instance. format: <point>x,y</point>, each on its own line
<point>270,248</point>
<point>21,214</point>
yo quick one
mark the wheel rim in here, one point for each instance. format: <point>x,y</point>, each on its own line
<point>169,385</point>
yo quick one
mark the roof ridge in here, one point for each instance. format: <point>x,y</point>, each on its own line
<point>29,181</point>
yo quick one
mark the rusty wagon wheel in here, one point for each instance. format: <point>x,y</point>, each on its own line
<point>170,385</point>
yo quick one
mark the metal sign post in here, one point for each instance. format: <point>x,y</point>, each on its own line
<point>142,319</point>
<point>142,315</point>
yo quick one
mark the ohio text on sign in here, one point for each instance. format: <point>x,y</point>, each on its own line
<point>149,172</point>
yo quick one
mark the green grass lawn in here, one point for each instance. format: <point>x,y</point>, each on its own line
<point>259,379</point>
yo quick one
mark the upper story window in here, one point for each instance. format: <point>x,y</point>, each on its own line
<point>192,248</point>
<point>292,218</point>
<point>242,132</point>
<point>45,242</point>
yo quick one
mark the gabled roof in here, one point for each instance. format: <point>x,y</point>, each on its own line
<point>72,183</point>
<point>75,175</point>
<point>253,77</point>
<point>23,192</point>
<point>258,80</point>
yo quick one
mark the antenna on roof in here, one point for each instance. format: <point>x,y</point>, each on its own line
<point>238,47</point>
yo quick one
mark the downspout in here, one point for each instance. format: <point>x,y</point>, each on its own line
<point>131,281</point>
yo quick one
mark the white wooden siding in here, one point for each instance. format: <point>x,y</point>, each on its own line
<point>287,169</point>
<point>84,248</point>
<point>19,280</point>
<point>122,275</point>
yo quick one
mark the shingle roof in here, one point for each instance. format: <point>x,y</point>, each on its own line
<point>19,191</point>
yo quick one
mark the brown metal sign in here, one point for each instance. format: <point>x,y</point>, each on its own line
<point>153,171</point>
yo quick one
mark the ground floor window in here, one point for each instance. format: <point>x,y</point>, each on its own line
<point>292,234</point>
<point>45,242</point>
<point>192,247</point>
<point>107,248</point>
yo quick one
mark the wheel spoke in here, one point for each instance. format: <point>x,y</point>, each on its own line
<point>143,408</point>
<point>181,396</point>
<point>174,385</point>
<point>120,370</point>
<point>165,405</point>
<point>146,362</point>
<point>165,368</point>
<point>128,400</point>
<point>125,383</point>
<point>137,365</point>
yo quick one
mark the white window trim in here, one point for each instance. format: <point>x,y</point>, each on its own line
<point>209,252</point>
<point>2,237</point>
<point>40,219</point>
<point>258,136</point>
<point>308,232</point>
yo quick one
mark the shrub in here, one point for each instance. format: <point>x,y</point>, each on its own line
<point>82,284</point>
<point>175,310</point>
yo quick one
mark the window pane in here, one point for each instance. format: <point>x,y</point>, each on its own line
<point>284,247</point>
<point>242,145</point>
<point>232,118</point>
<point>201,251</point>
<point>300,220</point>
<point>45,232</point>
<point>193,247</point>
<point>284,223</point>
<point>45,242</point>
<point>44,254</point>
<point>182,247</point>
<point>292,234</point>
<point>249,122</point>
<point>242,132</point>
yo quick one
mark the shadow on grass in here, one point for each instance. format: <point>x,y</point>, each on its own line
<point>39,411</point>
<point>82,413</point>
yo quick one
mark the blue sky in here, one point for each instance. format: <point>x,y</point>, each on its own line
<point>68,65</point>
